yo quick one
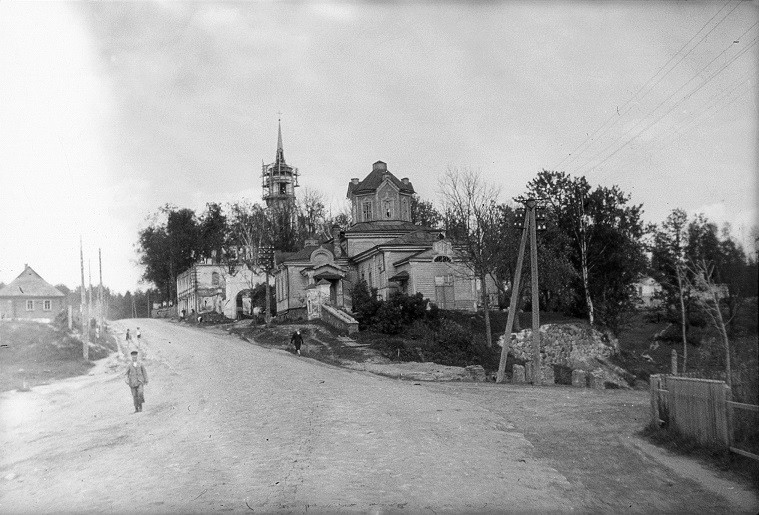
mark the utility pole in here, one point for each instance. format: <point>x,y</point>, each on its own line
<point>536,372</point>
<point>100,291</point>
<point>531,224</point>
<point>85,316</point>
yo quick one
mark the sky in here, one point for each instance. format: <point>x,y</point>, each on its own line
<point>110,110</point>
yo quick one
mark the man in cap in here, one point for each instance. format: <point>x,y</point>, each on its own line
<point>137,378</point>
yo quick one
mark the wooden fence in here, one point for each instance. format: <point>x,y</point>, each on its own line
<point>699,408</point>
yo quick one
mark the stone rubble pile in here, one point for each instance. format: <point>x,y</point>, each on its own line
<point>584,350</point>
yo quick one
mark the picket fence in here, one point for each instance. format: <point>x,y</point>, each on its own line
<point>699,408</point>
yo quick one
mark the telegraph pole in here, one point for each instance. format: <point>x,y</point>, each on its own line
<point>531,225</point>
<point>85,316</point>
<point>536,375</point>
<point>513,305</point>
<point>100,291</point>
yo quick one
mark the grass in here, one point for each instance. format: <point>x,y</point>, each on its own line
<point>720,458</point>
<point>32,353</point>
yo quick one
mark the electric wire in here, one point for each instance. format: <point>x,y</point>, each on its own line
<point>574,154</point>
<point>640,121</point>
<point>732,60</point>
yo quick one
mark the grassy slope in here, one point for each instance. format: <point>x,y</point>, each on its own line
<point>43,353</point>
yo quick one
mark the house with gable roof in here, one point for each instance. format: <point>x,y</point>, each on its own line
<point>382,247</point>
<point>30,297</point>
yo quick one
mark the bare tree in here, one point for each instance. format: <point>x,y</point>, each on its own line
<point>700,279</point>
<point>250,238</point>
<point>471,217</point>
<point>311,206</point>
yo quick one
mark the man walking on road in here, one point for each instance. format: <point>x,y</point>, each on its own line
<point>297,340</point>
<point>137,378</point>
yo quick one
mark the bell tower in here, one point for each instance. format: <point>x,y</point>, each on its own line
<point>278,179</point>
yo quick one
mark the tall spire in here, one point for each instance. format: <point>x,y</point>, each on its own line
<point>280,149</point>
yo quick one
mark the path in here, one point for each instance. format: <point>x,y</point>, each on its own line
<point>233,426</point>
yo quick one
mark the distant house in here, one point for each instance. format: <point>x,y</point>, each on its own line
<point>30,297</point>
<point>647,290</point>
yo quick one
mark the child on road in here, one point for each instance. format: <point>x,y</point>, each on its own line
<point>137,378</point>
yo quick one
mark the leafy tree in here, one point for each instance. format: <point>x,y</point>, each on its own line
<point>669,268</point>
<point>423,213</point>
<point>213,232</point>
<point>605,232</point>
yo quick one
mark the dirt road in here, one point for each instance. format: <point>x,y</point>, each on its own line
<point>232,426</point>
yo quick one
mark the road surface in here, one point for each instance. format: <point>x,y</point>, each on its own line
<point>231,426</point>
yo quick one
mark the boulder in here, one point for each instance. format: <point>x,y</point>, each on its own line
<point>517,374</point>
<point>476,372</point>
<point>576,346</point>
<point>579,378</point>
<point>546,375</point>
<point>596,379</point>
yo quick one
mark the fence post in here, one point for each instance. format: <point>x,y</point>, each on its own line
<point>673,359</point>
<point>654,382</point>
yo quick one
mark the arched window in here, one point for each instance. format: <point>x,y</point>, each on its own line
<point>215,279</point>
<point>442,259</point>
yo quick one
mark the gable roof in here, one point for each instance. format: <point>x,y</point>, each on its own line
<point>423,235</point>
<point>30,284</point>
<point>374,180</point>
<point>382,226</point>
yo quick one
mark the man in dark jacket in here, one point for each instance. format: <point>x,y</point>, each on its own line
<point>137,378</point>
<point>297,340</point>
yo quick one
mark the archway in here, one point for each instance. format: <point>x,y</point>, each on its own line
<point>244,304</point>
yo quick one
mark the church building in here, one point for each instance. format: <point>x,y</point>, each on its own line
<point>382,247</point>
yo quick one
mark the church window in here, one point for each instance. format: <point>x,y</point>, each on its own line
<point>367,211</point>
<point>283,189</point>
<point>387,206</point>
<point>381,262</point>
<point>442,259</point>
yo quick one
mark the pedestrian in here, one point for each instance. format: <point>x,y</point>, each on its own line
<point>128,336</point>
<point>297,340</point>
<point>137,378</point>
<point>139,335</point>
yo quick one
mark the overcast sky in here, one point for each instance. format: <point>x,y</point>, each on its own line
<point>110,110</point>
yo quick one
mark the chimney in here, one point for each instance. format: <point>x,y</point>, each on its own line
<point>354,180</point>
<point>379,165</point>
<point>336,249</point>
<point>405,180</point>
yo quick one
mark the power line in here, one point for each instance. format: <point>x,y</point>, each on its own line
<point>575,153</point>
<point>628,131</point>
<point>694,122</point>
<point>753,42</point>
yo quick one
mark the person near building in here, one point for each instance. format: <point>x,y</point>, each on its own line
<point>137,378</point>
<point>297,340</point>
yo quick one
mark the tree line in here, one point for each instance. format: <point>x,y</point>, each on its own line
<point>592,253</point>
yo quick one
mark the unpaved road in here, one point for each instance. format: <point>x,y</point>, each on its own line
<point>230,426</point>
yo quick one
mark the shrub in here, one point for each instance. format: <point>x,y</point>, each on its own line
<point>365,304</point>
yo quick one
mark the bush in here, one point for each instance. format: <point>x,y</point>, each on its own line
<point>365,304</point>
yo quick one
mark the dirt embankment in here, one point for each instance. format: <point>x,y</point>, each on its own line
<point>33,353</point>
